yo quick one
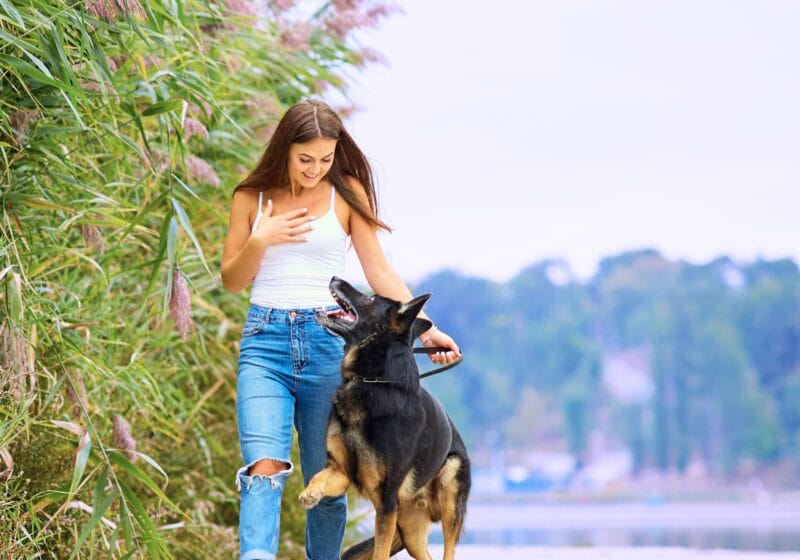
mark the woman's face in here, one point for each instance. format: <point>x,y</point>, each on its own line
<point>310,161</point>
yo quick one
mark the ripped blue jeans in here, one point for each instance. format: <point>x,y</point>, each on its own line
<point>289,368</point>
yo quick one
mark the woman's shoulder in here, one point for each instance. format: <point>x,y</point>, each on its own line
<point>245,194</point>
<point>245,202</point>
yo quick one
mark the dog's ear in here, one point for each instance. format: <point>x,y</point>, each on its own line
<point>419,327</point>
<point>411,309</point>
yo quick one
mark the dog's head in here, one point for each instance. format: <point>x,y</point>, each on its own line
<point>363,317</point>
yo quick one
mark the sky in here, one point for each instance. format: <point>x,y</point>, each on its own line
<point>507,132</point>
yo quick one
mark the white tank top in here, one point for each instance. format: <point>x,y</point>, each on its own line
<point>296,275</point>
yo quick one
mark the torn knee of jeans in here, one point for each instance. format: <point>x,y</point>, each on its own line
<point>276,479</point>
<point>278,464</point>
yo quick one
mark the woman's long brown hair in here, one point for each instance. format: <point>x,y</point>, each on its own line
<point>303,122</point>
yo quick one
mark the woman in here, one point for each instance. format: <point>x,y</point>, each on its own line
<point>288,229</point>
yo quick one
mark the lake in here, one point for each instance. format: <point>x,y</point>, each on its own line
<point>739,526</point>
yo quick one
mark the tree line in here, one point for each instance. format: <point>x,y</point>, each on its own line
<point>714,349</point>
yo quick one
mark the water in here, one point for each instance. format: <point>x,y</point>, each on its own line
<point>735,539</point>
<point>738,526</point>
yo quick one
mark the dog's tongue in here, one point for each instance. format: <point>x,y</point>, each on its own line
<point>342,314</point>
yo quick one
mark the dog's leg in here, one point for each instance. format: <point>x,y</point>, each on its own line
<point>385,530</point>
<point>414,521</point>
<point>452,502</point>
<point>330,481</point>
<point>450,531</point>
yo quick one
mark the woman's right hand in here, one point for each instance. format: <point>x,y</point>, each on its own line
<point>283,228</point>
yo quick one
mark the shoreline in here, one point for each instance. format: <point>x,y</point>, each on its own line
<point>483,552</point>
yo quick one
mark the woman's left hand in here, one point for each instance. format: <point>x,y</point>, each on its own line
<point>441,338</point>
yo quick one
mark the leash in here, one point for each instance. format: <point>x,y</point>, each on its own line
<point>418,350</point>
<point>431,350</point>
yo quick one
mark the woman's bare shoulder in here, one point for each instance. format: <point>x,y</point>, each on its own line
<point>243,196</point>
<point>245,203</point>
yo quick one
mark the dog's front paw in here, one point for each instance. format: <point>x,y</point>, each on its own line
<point>309,498</point>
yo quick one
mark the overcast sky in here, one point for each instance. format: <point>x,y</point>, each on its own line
<point>506,132</point>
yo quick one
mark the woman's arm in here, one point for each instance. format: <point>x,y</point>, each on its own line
<point>383,278</point>
<point>242,253</point>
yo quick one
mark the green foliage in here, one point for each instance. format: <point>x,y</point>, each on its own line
<point>118,124</point>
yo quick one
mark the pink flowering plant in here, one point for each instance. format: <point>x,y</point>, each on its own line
<point>124,126</point>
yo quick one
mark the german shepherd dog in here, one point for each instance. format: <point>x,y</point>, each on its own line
<point>386,434</point>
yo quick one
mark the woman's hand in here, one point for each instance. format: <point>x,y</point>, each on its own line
<point>283,228</point>
<point>441,338</point>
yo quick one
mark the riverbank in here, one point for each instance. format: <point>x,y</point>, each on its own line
<point>481,552</point>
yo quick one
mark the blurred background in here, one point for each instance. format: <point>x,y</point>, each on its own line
<point>601,197</point>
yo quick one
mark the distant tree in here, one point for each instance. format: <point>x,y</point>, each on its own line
<point>770,320</point>
<point>628,289</point>
<point>789,412</point>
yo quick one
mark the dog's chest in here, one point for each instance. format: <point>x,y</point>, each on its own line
<point>350,409</point>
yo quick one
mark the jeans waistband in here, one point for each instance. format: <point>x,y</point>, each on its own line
<point>273,314</point>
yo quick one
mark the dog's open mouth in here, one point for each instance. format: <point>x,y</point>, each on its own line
<point>346,314</point>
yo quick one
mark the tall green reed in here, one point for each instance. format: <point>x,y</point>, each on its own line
<point>123,127</point>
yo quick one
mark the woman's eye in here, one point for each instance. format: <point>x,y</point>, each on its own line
<point>326,161</point>
<point>305,161</point>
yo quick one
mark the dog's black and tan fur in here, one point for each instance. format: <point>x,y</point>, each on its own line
<point>387,435</point>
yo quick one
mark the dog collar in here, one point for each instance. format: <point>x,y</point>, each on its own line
<point>372,379</point>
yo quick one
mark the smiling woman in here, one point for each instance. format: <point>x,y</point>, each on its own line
<point>290,221</point>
